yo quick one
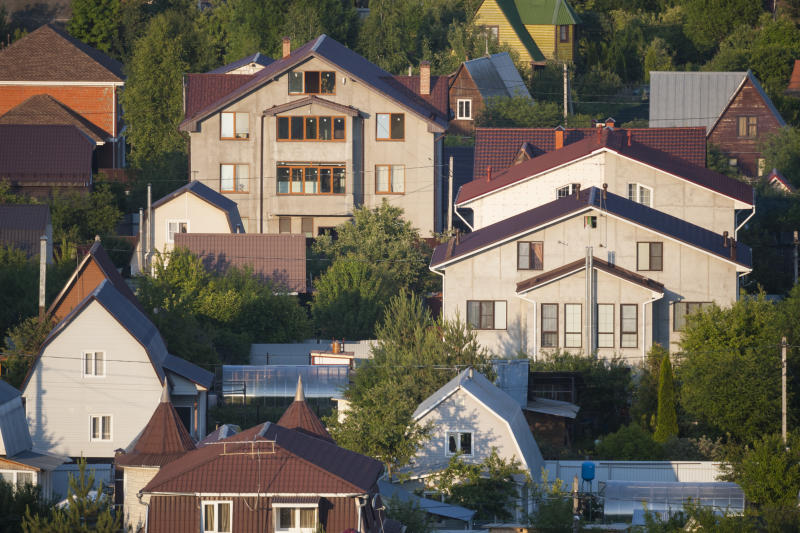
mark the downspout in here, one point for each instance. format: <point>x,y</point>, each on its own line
<point>147,512</point>
<point>455,208</point>
<point>644,332</point>
<point>588,319</point>
<point>535,332</point>
<point>261,179</point>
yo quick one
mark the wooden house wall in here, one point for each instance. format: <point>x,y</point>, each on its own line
<point>87,281</point>
<point>463,86</point>
<point>490,14</point>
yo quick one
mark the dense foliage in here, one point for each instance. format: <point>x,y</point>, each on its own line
<point>14,500</point>
<point>667,416</point>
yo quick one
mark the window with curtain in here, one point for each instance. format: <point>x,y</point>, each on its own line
<point>605,325</point>
<point>572,326</point>
<point>629,326</point>
<point>549,325</point>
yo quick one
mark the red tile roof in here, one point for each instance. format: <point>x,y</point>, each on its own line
<point>203,90</point>
<point>43,109</point>
<point>50,54</point>
<point>618,141</point>
<point>300,417</point>
<point>268,458</point>
<point>50,155</point>
<point>163,440</point>
<point>439,95</point>
<point>497,147</point>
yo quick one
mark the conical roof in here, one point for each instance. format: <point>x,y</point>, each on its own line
<point>793,89</point>
<point>163,439</point>
<point>300,417</point>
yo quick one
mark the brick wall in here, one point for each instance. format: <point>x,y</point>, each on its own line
<point>96,104</point>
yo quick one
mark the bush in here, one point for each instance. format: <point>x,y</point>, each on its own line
<point>630,443</point>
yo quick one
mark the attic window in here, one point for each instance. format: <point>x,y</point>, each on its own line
<point>566,190</point>
<point>459,442</point>
<point>312,82</point>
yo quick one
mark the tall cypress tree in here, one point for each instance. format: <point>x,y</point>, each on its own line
<point>667,418</point>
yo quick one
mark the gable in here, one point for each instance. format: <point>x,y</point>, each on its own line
<point>503,13</point>
<point>87,280</point>
<point>203,216</point>
<point>749,100</point>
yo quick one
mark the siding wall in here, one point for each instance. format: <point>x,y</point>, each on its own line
<point>545,38</point>
<point>490,14</point>
<point>463,86</point>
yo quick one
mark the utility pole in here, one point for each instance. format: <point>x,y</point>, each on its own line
<point>565,94</point>
<point>783,389</point>
<point>42,273</point>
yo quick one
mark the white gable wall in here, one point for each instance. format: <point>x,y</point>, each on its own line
<point>60,400</point>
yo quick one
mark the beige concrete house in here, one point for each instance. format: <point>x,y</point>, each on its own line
<point>522,284</point>
<point>300,142</point>
<point>193,208</point>
<point>626,167</point>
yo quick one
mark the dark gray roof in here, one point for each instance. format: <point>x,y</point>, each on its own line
<point>22,225</point>
<point>211,196</point>
<point>391,491</point>
<point>188,370</point>
<point>40,460</point>
<point>589,199</point>
<point>257,58</point>
<point>496,75</point>
<point>7,392</point>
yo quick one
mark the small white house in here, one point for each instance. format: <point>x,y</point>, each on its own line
<point>99,376</point>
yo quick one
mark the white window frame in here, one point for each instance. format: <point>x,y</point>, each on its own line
<point>635,193</point>
<point>295,507</point>
<point>94,374</point>
<point>215,526</point>
<point>467,107</point>
<point>447,434</point>
<point>110,428</point>
<point>170,236</point>
<point>15,473</point>
<point>566,190</point>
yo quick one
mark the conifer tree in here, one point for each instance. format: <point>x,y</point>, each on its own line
<point>667,418</point>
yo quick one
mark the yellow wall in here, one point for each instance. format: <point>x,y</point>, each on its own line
<point>490,14</point>
<point>545,38</point>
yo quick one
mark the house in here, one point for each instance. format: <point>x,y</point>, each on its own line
<point>471,416</point>
<point>303,141</point>
<point>475,83</point>
<point>779,182</point>
<point>538,31</point>
<point>22,226</point>
<point>280,259</point>
<point>192,208</point>
<point>20,463</point>
<point>99,376</point>
<point>83,83</point>
<point>612,159</point>
<point>95,267</point>
<point>732,106</point>
<point>521,281</point>
<point>268,478</point>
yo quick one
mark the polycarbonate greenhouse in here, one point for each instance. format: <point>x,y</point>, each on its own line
<point>623,497</point>
<point>280,381</point>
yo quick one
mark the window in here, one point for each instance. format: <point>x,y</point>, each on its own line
<point>234,126</point>
<point>312,82</point>
<point>492,31</point>
<point>217,517</point>
<point>311,128</point>
<point>748,126</point>
<point>649,256</point>
<point>563,33</point>
<point>464,109</point>
<point>761,163</point>
<point>530,255</point>
<point>390,179</point>
<point>549,325</point>
<point>284,224</point>
<point>301,519</point>
<point>590,221</point>
<point>391,126</point>
<point>629,326</point>
<point>605,325</point>
<point>100,427</point>
<point>94,364</point>
<point>566,190</point>
<point>486,314</point>
<point>307,226</point>
<point>176,226</point>
<point>572,325</point>
<point>733,162</point>
<point>459,441</point>
<point>18,477</point>
<point>233,177</point>
<point>681,309</point>
<point>641,194</point>
<point>311,179</point>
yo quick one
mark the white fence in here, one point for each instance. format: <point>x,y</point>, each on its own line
<point>681,471</point>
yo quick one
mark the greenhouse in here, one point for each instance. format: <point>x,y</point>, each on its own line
<point>622,498</point>
<point>280,381</point>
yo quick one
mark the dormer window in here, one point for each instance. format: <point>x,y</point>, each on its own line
<point>312,82</point>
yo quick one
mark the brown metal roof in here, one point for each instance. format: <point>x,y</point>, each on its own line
<point>50,54</point>
<point>22,225</point>
<point>43,109</point>
<point>280,258</point>
<point>300,417</point>
<point>600,264</point>
<point>163,440</point>
<point>268,458</point>
<point>45,155</point>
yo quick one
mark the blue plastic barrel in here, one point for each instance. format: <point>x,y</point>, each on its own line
<point>587,470</point>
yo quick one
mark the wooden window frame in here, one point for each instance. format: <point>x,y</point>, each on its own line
<point>94,373</point>
<point>110,428</point>
<point>319,168</point>
<point>236,179</point>
<point>579,333</point>
<point>459,115</point>
<point>14,474</point>
<point>494,315</point>
<point>548,332</point>
<point>390,138</point>
<point>622,331</point>
<point>685,305</point>
<point>493,30</point>
<point>649,256</point>
<point>234,138</point>
<point>531,246</point>
<point>215,504</point>
<point>391,182</point>
<point>304,72</point>
<point>612,332</point>
<point>447,451</point>
<point>305,139</point>
<point>750,124</point>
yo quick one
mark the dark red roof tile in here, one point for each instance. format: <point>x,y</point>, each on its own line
<point>300,417</point>
<point>203,90</point>
<point>439,94</point>
<point>43,109</point>
<point>45,154</point>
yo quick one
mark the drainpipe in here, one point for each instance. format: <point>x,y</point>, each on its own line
<point>146,514</point>
<point>261,179</point>
<point>463,220</point>
<point>644,332</point>
<point>535,332</point>
<point>588,320</point>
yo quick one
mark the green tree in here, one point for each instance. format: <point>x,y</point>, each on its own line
<point>78,221</point>
<point>410,514</point>
<point>718,161</point>
<point>349,299</point>
<point>768,471</point>
<point>84,513</point>
<point>658,56</point>
<point>644,405</point>
<point>22,342</point>
<point>554,510</point>
<point>307,19</point>
<point>250,26</point>
<point>95,23</point>
<point>708,22</point>
<point>629,443</point>
<point>14,500</point>
<point>667,420</point>
<point>518,112</point>
<point>781,150</point>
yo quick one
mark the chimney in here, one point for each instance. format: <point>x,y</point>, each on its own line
<point>489,173</point>
<point>335,346</point>
<point>425,78</point>
<point>559,138</point>
<point>287,46</point>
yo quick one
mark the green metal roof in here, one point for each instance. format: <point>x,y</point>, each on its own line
<point>555,12</point>
<point>512,15</point>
